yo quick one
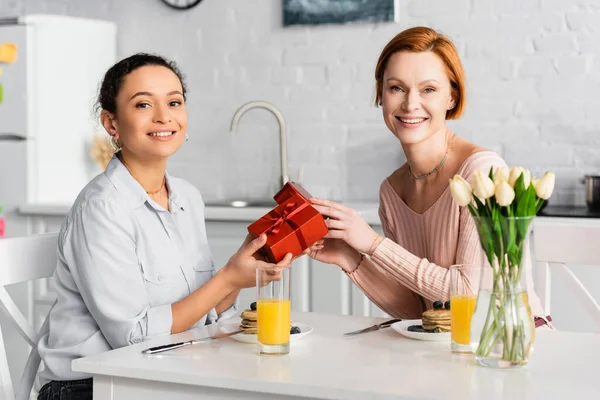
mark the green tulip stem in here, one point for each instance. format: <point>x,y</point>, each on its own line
<point>502,322</point>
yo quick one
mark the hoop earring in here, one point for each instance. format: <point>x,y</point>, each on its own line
<point>116,146</point>
<point>186,137</point>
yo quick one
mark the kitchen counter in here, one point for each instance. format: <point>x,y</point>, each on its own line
<point>568,212</point>
<point>44,210</point>
<point>369,211</point>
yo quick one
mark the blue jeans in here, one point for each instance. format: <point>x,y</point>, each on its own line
<point>67,390</point>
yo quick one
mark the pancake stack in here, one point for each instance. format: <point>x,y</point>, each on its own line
<point>436,320</point>
<point>249,322</point>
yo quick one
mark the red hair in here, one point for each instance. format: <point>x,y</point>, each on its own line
<point>421,39</point>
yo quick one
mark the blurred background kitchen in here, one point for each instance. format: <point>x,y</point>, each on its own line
<point>531,65</point>
<point>533,74</point>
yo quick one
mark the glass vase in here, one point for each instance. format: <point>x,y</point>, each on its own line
<point>502,326</point>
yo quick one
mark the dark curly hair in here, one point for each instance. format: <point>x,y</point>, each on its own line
<point>113,79</point>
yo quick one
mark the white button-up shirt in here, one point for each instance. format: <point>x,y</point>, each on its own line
<point>123,260</point>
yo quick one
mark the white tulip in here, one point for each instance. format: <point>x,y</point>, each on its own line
<point>501,174</point>
<point>515,173</point>
<point>483,187</point>
<point>545,185</point>
<point>504,193</point>
<point>461,190</point>
<point>526,178</point>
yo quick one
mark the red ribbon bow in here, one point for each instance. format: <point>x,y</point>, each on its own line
<point>276,220</point>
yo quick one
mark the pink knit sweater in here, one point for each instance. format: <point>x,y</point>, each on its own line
<point>409,268</point>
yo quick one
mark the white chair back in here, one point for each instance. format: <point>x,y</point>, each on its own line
<point>559,242</point>
<point>23,259</point>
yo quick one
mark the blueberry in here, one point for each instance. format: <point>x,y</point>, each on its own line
<point>437,305</point>
<point>416,328</point>
<point>294,330</point>
<point>447,305</point>
<point>253,306</point>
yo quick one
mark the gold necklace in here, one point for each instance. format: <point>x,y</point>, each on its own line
<point>161,187</point>
<point>436,169</point>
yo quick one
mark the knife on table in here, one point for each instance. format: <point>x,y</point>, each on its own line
<point>373,328</point>
<point>167,347</point>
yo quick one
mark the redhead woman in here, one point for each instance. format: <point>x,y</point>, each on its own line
<point>420,85</point>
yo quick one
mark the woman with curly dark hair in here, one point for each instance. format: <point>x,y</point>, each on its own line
<point>134,260</point>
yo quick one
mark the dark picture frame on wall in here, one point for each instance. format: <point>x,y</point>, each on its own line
<point>315,12</point>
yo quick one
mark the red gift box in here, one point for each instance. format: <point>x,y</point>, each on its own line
<point>290,189</point>
<point>291,227</point>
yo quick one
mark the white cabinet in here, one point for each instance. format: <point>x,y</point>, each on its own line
<point>334,293</point>
<point>224,239</point>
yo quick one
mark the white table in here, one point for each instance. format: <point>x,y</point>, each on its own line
<point>325,365</point>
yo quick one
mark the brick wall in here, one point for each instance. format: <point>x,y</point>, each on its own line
<point>531,66</point>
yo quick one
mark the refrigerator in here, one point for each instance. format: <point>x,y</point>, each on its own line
<point>48,89</point>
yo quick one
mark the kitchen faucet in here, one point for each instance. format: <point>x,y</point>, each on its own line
<point>282,139</point>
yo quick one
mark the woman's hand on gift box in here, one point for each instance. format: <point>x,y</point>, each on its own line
<point>240,270</point>
<point>257,255</point>
<point>335,251</point>
<point>346,224</point>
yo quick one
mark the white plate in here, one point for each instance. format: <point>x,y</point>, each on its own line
<point>402,328</point>
<point>232,326</point>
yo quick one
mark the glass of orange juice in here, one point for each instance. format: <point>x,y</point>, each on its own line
<point>273,309</point>
<point>464,281</point>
